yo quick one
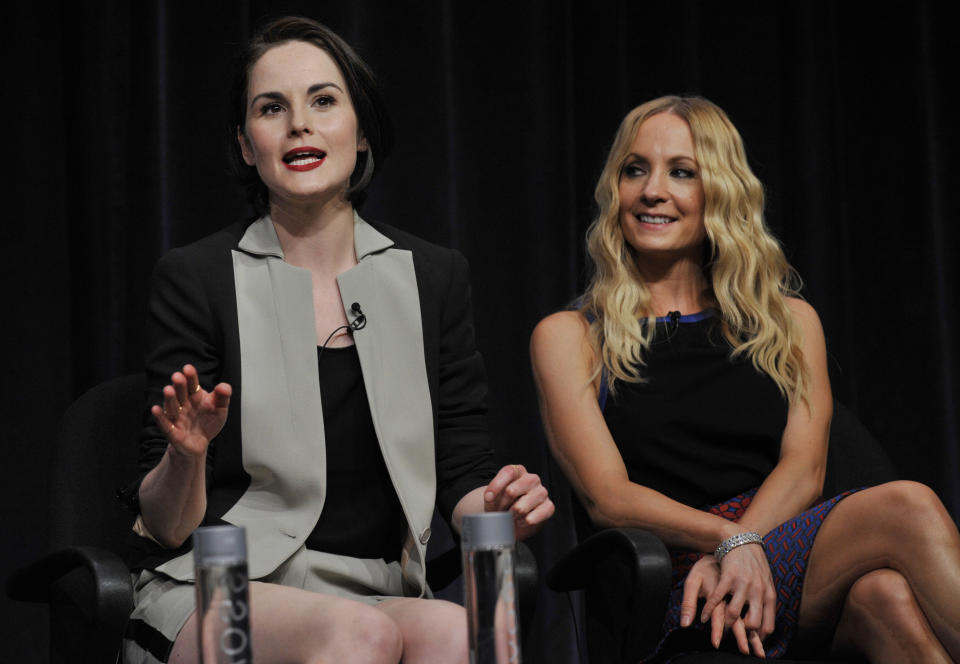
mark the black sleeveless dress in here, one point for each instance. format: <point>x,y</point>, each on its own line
<point>705,430</point>
<point>702,427</point>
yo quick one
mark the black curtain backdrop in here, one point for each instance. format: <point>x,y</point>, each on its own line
<point>504,111</point>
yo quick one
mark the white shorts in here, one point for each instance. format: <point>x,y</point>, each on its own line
<point>162,605</point>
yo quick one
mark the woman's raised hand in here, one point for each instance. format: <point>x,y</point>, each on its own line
<point>190,416</point>
<point>514,489</point>
<point>702,580</point>
<point>745,583</point>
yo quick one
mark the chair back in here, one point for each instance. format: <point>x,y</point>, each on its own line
<point>855,458</point>
<point>96,452</point>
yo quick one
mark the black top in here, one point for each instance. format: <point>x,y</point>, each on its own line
<point>703,427</point>
<point>361,514</point>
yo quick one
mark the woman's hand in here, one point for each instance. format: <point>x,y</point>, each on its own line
<point>747,639</point>
<point>745,581</point>
<point>191,417</point>
<point>515,490</point>
<point>702,580</point>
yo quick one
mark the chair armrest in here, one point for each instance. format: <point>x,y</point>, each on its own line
<point>646,553</point>
<point>445,568</point>
<point>90,594</point>
<point>33,582</point>
<point>626,575</point>
<point>527,577</point>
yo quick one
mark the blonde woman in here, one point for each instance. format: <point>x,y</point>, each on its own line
<point>688,394</point>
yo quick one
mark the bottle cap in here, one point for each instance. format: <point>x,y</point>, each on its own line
<point>489,530</point>
<point>219,545</point>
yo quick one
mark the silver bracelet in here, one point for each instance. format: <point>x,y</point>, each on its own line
<point>731,543</point>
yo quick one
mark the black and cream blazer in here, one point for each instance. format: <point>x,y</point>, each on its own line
<point>233,308</point>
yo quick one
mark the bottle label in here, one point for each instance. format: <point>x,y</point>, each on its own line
<point>223,609</point>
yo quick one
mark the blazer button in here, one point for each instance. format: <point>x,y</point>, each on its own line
<point>425,536</point>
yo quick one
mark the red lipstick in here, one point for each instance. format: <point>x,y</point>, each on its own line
<point>303,158</point>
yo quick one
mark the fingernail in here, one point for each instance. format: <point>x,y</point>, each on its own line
<point>685,620</point>
<point>488,496</point>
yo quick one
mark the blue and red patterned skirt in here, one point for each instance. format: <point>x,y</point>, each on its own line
<point>788,549</point>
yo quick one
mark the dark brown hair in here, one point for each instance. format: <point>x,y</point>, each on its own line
<point>371,113</point>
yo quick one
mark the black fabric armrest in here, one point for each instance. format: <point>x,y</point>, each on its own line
<point>446,567</point>
<point>643,549</point>
<point>626,575</point>
<point>90,594</point>
<point>528,580</point>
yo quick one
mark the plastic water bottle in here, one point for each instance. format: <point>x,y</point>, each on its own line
<point>490,593</point>
<point>223,602</point>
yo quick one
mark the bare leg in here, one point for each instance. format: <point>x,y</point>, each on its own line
<point>881,619</point>
<point>293,626</point>
<point>901,526</point>
<point>434,631</point>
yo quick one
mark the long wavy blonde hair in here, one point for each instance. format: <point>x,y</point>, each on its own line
<point>748,275</point>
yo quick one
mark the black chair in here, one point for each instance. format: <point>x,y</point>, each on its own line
<point>625,572</point>
<point>85,584</point>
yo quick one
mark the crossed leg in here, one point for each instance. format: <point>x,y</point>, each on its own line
<point>886,565</point>
<point>882,620</point>
<point>294,626</point>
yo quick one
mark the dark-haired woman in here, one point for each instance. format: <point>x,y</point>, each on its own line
<point>688,395</point>
<point>315,380</point>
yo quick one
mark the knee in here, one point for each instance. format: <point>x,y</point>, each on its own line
<point>882,609</point>
<point>381,637</point>
<point>454,621</point>
<point>909,508</point>
<point>885,596</point>
<point>913,496</point>
<point>874,592</point>
<point>444,637</point>
<point>366,635</point>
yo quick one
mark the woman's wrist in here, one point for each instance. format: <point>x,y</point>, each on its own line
<point>734,541</point>
<point>727,530</point>
<point>184,460</point>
